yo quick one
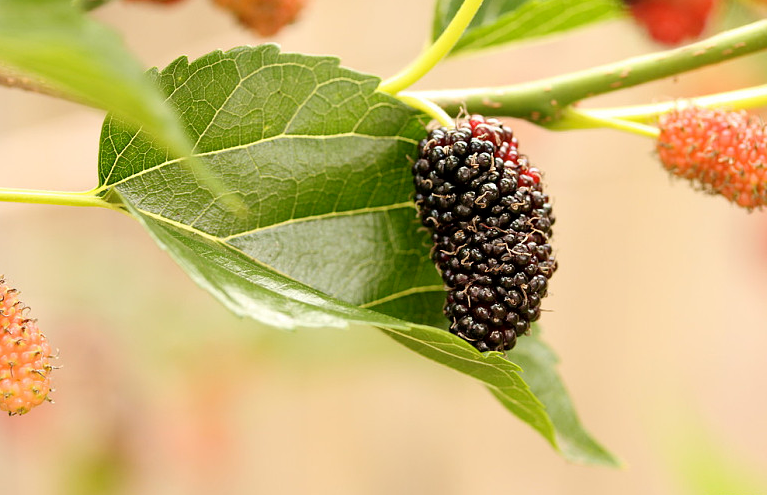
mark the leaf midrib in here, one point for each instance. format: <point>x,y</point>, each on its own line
<point>106,186</point>
<point>403,293</point>
<point>322,216</point>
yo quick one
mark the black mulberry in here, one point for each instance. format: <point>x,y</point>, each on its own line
<point>490,222</point>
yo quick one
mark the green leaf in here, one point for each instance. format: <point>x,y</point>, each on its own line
<point>329,235</point>
<point>249,288</point>
<point>54,42</point>
<point>318,157</point>
<point>505,21</point>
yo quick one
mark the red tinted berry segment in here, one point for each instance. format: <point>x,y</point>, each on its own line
<point>672,21</point>
<point>490,222</point>
<point>24,357</point>
<point>725,152</point>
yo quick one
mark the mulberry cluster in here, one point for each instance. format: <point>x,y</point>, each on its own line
<point>24,357</point>
<point>724,152</point>
<point>490,222</point>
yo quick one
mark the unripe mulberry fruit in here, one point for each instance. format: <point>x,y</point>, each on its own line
<point>724,152</point>
<point>24,357</point>
<point>672,21</point>
<point>490,222</point>
<point>266,17</point>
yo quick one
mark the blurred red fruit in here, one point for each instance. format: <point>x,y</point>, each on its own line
<point>672,21</point>
<point>725,152</point>
<point>266,17</point>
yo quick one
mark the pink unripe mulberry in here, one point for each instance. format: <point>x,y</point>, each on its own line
<point>24,357</point>
<point>725,152</point>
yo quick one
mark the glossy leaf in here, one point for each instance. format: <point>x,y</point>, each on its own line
<point>329,235</point>
<point>251,289</point>
<point>504,21</point>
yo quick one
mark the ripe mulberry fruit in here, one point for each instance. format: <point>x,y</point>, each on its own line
<point>724,152</point>
<point>672,21</point>
<point>24,357</point>
<point>490,223</point>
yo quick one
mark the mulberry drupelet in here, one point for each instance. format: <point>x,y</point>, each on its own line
<point>490,223</point>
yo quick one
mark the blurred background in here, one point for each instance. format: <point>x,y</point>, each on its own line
<point>657,311</point>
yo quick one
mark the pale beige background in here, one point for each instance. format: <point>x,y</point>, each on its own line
<point>657,312</point>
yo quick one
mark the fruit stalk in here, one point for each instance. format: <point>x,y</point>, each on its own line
<point>435,52</point>
<point>741,99</point>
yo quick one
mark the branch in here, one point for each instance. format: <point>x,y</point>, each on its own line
<point>741,99</point>
<point>544,100</point>
<point>12,79</point>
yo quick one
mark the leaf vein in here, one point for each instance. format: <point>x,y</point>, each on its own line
<point>332,214</point>
<point>403,293</point>
<point>255,143</point>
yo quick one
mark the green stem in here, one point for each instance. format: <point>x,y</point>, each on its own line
<point>543,101</point>
<point>436,52</point>
<point>740,99</point>
<point>64,198</point>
